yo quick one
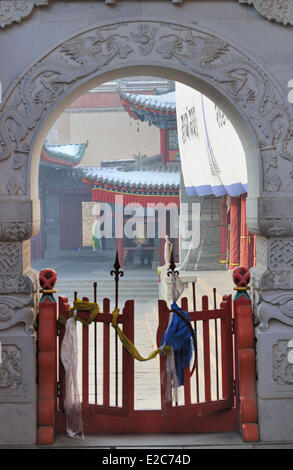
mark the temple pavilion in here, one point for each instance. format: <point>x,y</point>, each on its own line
<point>69,190</point>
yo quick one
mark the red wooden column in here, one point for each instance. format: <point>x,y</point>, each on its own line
<point>223,230</point>
<point>245,356</point>
<point>47,358</point>
<point>164,144</point>
<point>246,239</point>
<point>234,258</point>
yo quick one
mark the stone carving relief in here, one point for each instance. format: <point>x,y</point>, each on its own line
<point>13,11</point>
<point>23,283</point>
<point>275,280</point>
<point>233,73</point>
<point>261,251</point>
<point>16,309</point>
<point>280,11</point>
<point>15,231</point>
<point>275,304</point>
<point>10,367</point>
<point>281,253</point>
<point>273,285</point>
<point>272,180</point>
<point>282,367</point>
<point>272,227</point>
<point>10,256</point>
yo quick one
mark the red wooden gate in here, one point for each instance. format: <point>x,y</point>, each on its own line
<point>212,399</point>
<point>208,405</point>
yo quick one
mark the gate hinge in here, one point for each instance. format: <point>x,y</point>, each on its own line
<point>58,389</point>
<point>234,387</point>
<point>232,325</point>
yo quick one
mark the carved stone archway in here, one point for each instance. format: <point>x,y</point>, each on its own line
<point>247,93</point>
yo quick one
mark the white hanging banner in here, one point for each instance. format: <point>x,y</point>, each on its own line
<point>211,153</point>
<point>69,357</point>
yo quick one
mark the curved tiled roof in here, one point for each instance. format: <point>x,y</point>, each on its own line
<point>159,110</point>
<point>166,102</point>
<point>135,186</point>
<point>131,178</point>
<point>64,155</point>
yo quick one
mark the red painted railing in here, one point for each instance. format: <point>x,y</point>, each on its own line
<point>212,383</point>
<point>202,395</point>
<point>126,362</point>
<point>219,396</point>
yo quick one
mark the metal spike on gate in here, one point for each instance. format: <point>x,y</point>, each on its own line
<point>116,271</point>
<point>118,274</point>
<point>215,297</point>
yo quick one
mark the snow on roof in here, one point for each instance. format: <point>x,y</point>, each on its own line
<point>66,149</point>
<point>166,101</point>
<point>136,178</point>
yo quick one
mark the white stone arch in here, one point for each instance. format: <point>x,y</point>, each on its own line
<point>239,83</point>
<point>248,94</point>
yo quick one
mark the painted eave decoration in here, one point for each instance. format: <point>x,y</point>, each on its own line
<point>136,186</point>
<point>158,110</point>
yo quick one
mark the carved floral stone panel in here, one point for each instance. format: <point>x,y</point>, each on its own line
<point>10,367</point>
<point>282,368</point>
<point>10,258</point>
<point>281,253</point>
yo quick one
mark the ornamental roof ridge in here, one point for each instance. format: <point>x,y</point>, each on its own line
<point>167,101</point>
<point>136,177</point>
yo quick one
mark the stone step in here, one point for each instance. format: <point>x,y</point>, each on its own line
<point>107,286</point>
<point>103,282</point>
<point>128,289</point>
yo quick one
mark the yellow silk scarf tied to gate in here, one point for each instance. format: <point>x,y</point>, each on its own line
<point>83,306</point>
<point>129,346</point>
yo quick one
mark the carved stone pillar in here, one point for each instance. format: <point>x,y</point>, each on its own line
<point>273,309</point>
<point>18,302</point>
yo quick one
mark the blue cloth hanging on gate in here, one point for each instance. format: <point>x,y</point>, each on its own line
<point>178,336</point>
